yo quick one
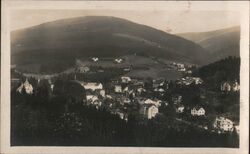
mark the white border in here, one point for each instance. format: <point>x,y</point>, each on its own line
<point>7,6</point>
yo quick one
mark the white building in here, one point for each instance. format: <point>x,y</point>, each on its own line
<point>180,109</point>
<point>157,103</point>
<point>229,86</point>
<point>237,128</point>
<point>94,100</point>
<point>28,88</point>
<point>235,86</point>
<point>92,86</point>
<point>198,111</point>
<point>223,124</point>
<point>95,59</point>
<point>225,86</point>
<point>149,111</point>
<point>118,60</point>
<point>118,88</point>
<point>125,79</point>
<point>197,80</point>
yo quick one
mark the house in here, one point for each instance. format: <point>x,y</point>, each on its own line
<point>118,60</point>
<point>95,59</point>
<point>26,86</point>
<point>197,80</point>
<point>198,111</point>
<point>82,69</point>
<point>93,100</point>
<point>190,80</point>
<point>160,90</point>
<point>92,86</point>
<point>225,86</point>
<point>149,111</point>
<point>155,102</point>
<point>118,88</point>
<point>223,124</point>
<point>237,128</point>
<point>125,79</point>
<point>180,109</point>
<point>235,86</point>
<point>140,90</point>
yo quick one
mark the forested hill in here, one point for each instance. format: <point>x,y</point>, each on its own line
<point>214,74</point>
<point>219,43</point>
<point>59,43</point>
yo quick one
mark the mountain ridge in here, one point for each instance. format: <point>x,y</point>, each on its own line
<point>219,43</point>
<point>67,39</point>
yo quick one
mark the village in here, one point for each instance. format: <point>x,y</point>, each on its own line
<point>124,96</point>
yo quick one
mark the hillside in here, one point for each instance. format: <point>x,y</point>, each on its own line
<point>60,42</point>
<point>219,43</point>
<point>214,74</point>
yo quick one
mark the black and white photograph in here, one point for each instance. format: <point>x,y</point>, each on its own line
<point>126,76</point>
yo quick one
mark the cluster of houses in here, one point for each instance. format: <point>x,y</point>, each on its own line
<point>196,111</point>
<point>182,67</point>
<point>190,80</point>
<point>230,86</point>
<point>131,92</point>
<point>126,92</point>
<point>179,66</point>
<point>222,124</point>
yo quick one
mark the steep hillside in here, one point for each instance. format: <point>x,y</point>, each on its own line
<point>59,43</point>
<point>220,43</point>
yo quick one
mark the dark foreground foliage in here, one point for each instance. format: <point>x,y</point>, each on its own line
<point>63,121</point>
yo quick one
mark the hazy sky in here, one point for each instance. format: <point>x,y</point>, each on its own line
<point>168,21</point>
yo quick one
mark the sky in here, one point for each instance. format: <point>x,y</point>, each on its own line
<point>171,21</point>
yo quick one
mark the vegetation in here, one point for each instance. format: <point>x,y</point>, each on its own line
<point>214,74</point>
<point>62,119</point>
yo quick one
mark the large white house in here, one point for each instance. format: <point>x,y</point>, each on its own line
<point>28,88</point>
<point>198,111</point>
<point>149,111</point>
<point>125,79</point>
<point>92,86</point>
<point>223,124</point>
<point>157,103</point>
